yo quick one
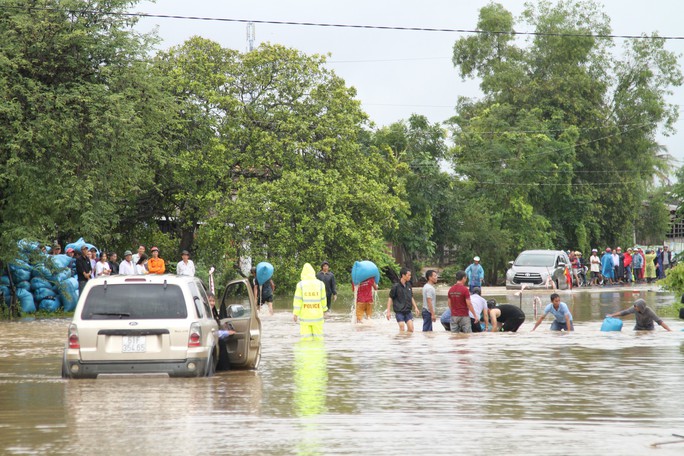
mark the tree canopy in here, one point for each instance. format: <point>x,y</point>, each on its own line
<point>562,144</point>
<point>269,155</point>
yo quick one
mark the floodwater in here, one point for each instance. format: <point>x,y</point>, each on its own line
<point>366,389</point>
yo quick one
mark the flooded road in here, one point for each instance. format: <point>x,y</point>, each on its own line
<point>367,389</point>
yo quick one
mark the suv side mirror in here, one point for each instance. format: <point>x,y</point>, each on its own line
<point>235,310</point>
<point>561,264</point>
<point>510,263</point>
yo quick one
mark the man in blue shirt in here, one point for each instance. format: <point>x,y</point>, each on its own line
<point>561,313</point>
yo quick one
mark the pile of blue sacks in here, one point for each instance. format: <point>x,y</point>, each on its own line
<point>43,281</point>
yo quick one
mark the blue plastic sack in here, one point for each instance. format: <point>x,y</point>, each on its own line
<point>43,293</point>
<point>61,261</point>
<point>39,282</point>
<point>24,284</point>
<point>49,304</point>
<point>75,245</point>
<point>68,294</point>
<point>4,280</point>
<point>62,276</point>
<point>264,272</point>
<point>79,244</point>
<point>363,270</point>
<point>28,305</point>
<point>611,324</point>
<point>20,270</point>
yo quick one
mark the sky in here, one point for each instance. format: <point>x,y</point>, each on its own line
<point>395,73</point>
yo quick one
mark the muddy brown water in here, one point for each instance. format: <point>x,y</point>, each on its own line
<point>366,389</point>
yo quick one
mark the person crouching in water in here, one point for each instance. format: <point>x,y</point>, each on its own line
<point>644,315</point>
<point>510,317</point>
<point>309,304</point>
<point>480,306</point>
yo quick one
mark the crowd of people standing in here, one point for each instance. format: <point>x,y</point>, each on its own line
<point>615,267</point>
<point>90,263</point>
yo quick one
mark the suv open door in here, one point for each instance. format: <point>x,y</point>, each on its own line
<point>238,307</point>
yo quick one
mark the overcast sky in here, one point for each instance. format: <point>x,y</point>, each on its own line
<point>396,73</point>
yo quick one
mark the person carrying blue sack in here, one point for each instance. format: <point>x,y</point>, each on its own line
<point>644,316</point>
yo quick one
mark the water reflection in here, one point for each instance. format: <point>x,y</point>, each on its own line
<point>311,385</point>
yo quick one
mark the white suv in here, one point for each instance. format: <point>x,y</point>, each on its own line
<point>537,269</point>
<point>149,324</point>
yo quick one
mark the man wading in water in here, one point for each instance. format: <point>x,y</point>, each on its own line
<point>401,300</point>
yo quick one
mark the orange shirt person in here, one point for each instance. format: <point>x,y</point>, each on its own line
<point>155,265</point>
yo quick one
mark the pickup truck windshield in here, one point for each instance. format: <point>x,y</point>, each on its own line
<point>134,302</point>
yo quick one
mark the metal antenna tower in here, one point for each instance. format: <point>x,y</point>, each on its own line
<point>250,36</point>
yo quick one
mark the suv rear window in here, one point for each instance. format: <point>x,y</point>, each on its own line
<point>134,302</point>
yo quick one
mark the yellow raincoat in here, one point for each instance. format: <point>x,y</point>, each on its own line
<point>309,304</point>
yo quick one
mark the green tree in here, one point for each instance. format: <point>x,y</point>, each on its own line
<point>80,113</point>
<point>562,143</point>
<point>418,149</point>
<point>265,153</point>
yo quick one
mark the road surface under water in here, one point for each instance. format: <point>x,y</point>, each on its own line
<point>366,389</point>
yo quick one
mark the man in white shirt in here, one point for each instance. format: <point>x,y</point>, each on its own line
<point>185,266</point>
<point>127,267</point>
<point>595,267</point>
<point>479,305</point>
<point>136,257</point>
<point>429,311</point>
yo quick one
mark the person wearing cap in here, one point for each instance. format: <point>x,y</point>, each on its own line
<point>637,265</point>
<point>644,315</point>
<point>475,274</point>
<point>127,267</point>
<point>562,317</point>
<point>156,265</point>
<point>607,270</point>
<point>56,249</point>
<point>84,269</point>
<point>185,266</point>
<point>70,252</point>
<point>326,276</point>
<point>595,267</point>
<point>509,316</point>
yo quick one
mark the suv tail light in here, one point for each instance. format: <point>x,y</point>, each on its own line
<point>74,342</point>
<point>195,336</point>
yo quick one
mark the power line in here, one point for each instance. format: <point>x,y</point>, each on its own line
<point>351,26</point>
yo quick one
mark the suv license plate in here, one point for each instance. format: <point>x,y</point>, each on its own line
<point>133,344</point>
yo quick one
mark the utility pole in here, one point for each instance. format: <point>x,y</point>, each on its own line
<point>250,36</point>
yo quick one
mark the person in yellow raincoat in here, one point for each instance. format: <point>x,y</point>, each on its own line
<point>309,304</point>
